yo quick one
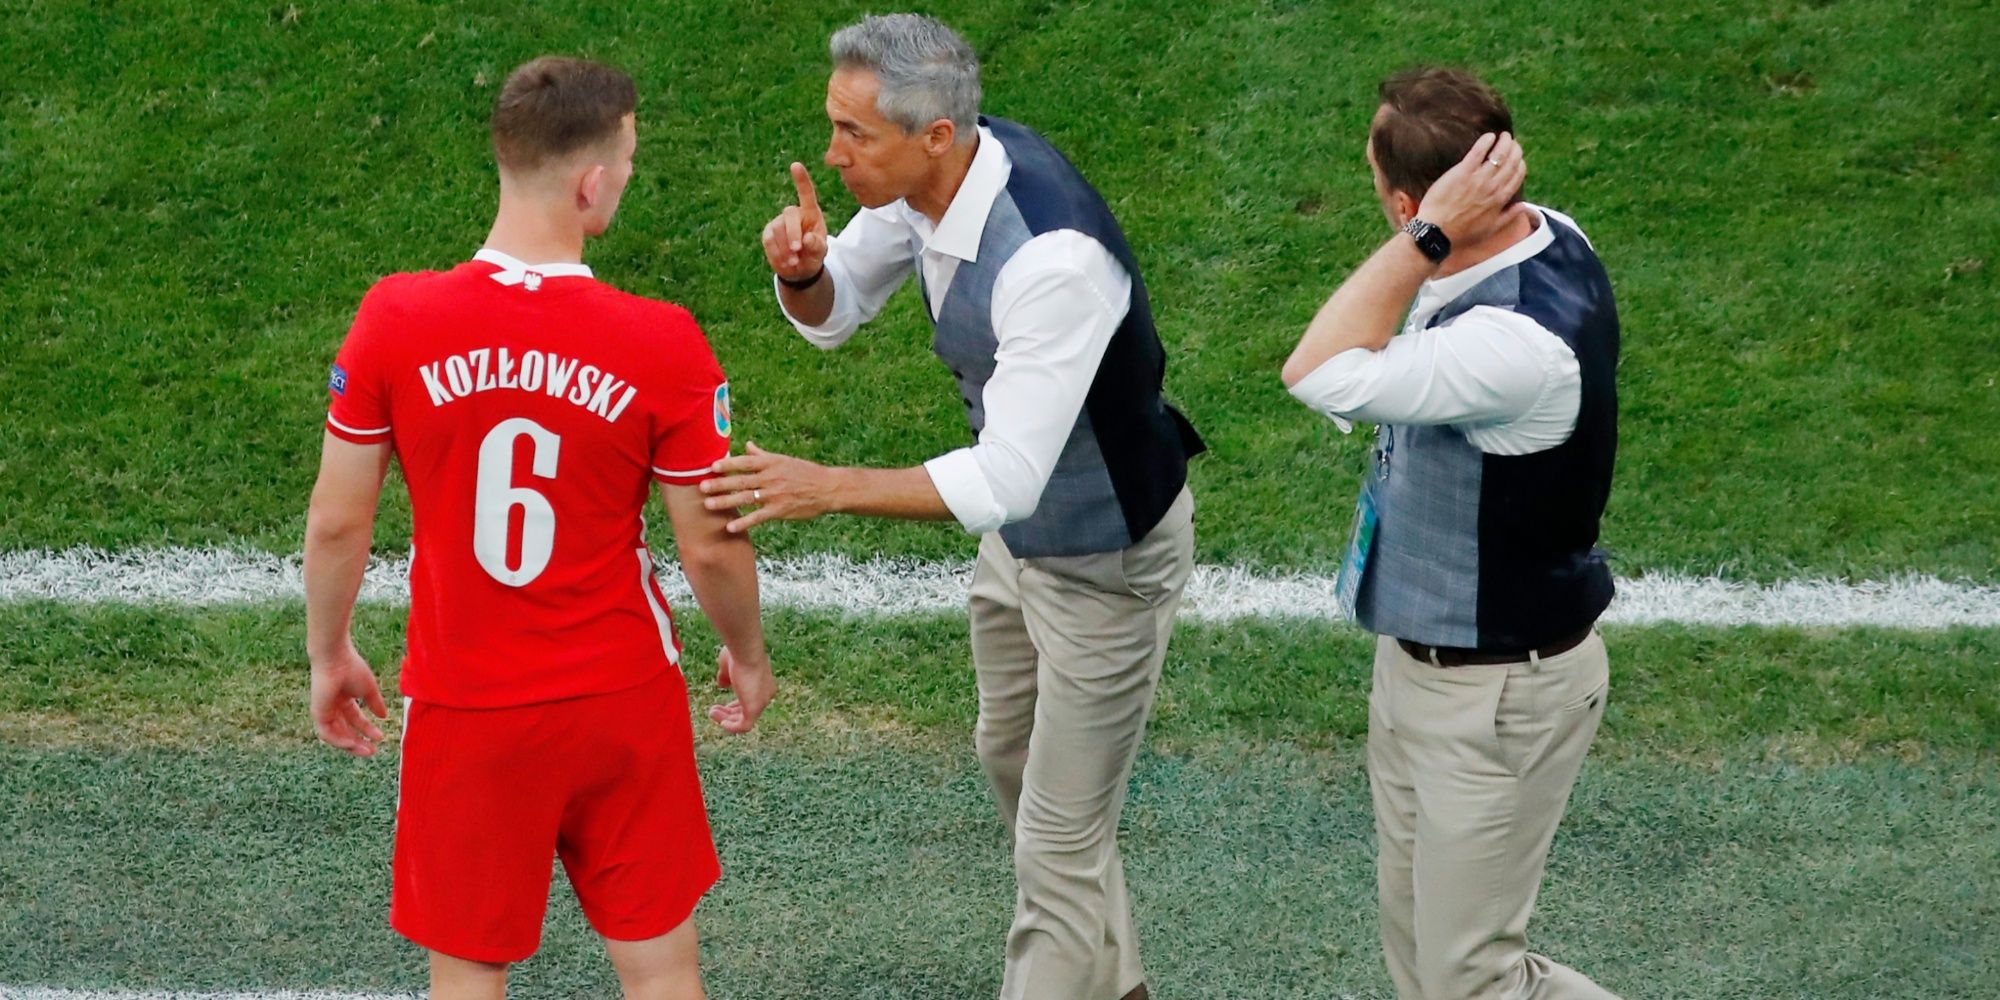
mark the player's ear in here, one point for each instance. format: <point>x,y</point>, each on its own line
<point>590,187</point>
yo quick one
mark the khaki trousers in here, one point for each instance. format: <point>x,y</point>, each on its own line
<point>1068,653</point>
<point>1471,768</point>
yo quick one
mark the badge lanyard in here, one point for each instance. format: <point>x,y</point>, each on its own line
<point>1361,537</point>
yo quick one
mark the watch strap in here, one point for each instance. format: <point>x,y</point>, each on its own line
<point>802,284</point>
<point>1430,240</point>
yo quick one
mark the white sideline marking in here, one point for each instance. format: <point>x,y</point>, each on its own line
<point>178,576</point>
<point>42,993</point>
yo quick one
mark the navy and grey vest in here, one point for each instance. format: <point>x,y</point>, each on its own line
<point>1126,458</point>
<point>1498,552</point>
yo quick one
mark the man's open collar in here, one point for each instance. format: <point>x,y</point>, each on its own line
<point>1452,286</point>
<point>964,223</point>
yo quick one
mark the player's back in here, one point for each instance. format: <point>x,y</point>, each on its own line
<point>531,407</point>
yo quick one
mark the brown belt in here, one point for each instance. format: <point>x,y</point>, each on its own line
<point>1450,656</point>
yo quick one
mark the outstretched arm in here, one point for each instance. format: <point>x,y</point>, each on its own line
<point>785,488</point>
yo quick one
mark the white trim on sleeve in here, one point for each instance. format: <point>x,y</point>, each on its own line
<point>354,430</point>
<point>705,470</point>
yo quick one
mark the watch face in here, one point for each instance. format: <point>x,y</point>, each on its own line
<point>1429,239</point>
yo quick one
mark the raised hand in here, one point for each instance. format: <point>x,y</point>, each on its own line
<point>1471,201</point>
<point>795,241</point>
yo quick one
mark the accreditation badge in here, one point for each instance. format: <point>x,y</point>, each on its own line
<point>1360,538</point>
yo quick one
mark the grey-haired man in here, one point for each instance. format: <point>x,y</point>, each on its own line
<point>1077,482</point>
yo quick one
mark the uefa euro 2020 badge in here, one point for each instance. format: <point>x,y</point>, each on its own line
<point>722,410</point>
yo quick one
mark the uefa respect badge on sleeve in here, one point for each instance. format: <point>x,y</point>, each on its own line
<point>1347,585</point>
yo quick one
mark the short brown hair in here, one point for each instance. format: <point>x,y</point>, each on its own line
<point>554,106</point>
<point>1433,116</point>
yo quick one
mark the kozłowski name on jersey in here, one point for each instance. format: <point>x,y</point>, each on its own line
<point>486,369</point>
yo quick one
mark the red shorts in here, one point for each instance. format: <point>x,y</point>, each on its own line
<point>489,796</point>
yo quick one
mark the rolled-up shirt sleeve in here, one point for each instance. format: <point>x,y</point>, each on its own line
<point>1056,304</point>
<point>1512,384</point>
<point>867,262</point>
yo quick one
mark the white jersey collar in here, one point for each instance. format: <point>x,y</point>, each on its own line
<point>514,272</point>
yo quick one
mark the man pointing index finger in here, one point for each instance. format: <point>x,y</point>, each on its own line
<point>1077,482</point>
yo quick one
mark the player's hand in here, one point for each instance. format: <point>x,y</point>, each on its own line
<point>795,241</point>
<point>778,486</point>
<point>341,685</point>
<point>1470,202</point>
<point>754,684</point>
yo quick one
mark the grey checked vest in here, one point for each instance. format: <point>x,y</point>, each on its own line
<point>1126,458</point>
<point>1497,552</point>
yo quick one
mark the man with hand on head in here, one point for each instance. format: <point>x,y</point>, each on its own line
<point>1077,482</point>
<point>1473,557</point>
<point>531,406</point>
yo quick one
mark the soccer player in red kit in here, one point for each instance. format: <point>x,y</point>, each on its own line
<point>546,713</point>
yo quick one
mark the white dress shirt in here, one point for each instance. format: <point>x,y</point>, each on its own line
<point>1056,303</point>
<point>1504,380</point>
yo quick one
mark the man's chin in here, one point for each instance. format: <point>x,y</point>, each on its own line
<point>870,199</point>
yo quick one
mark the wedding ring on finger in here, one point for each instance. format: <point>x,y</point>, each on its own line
<point>757,496</point>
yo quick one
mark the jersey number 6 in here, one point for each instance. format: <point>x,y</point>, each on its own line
<point>493,506</point>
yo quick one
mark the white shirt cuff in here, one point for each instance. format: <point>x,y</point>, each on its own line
<point>831,333</point>
<point>962,484</point>
<point>1328,389</point>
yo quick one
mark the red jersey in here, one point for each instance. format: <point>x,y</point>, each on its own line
<point>531,407</point>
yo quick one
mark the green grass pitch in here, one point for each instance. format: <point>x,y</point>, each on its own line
<point>1799,203</point>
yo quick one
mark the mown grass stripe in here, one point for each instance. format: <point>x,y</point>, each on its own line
<point>203,577</point>
<point>864,868</point>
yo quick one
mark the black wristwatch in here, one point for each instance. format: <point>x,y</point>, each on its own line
<point>803,284</point>
<point>1430,240</point>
